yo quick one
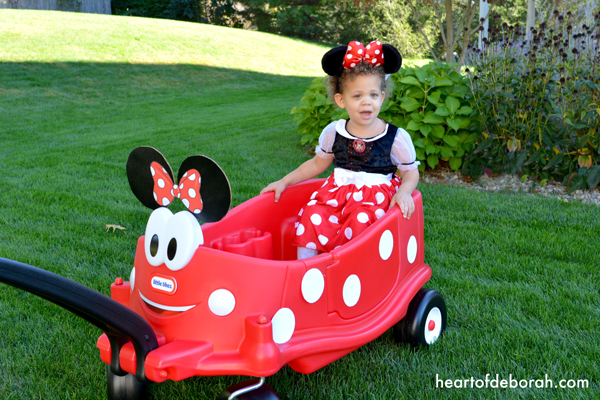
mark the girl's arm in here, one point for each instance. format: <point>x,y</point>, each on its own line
<point>403,197</point>
<point>306,171</point>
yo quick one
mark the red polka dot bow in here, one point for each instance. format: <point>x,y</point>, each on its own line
<point>165,190</point>
<point>356,52</point>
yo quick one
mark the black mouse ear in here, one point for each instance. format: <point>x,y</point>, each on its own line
<point>215,191</point>
<point>141,172</point>
<point>392,59</point>
<point>332,61</point>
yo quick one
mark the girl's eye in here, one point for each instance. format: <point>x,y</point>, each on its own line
<point>374,95</point>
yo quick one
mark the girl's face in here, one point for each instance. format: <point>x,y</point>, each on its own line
<point>362,98</point>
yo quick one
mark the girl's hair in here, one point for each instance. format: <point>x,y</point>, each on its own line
<point>337,83</point>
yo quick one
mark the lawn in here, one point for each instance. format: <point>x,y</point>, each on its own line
<point>520,273</point>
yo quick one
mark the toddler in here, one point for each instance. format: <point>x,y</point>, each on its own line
<point>366,151</point>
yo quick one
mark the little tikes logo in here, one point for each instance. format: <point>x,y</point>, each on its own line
<point>163,284</point>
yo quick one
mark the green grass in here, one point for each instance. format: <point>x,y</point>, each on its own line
<point>79,92</point>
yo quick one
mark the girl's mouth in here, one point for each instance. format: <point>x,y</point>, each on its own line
<point>366,114</point>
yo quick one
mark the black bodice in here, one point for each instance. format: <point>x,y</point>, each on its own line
<point>358,155</point>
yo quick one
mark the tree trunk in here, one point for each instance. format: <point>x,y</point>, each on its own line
<point>530,17</point>
<point>449,32</point>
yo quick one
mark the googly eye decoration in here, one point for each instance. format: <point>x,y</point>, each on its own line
<point>201,184</point>
<point>202,187</point>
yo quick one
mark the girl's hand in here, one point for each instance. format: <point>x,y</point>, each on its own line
<point>277,187</point>
<point>406,203</point>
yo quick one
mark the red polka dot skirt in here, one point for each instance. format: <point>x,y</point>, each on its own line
<point>336,214</point>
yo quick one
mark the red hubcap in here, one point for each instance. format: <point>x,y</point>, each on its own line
<point>431,325</point>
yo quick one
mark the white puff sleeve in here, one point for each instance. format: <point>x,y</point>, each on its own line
<point>326,140</point>
<point>403,152</point>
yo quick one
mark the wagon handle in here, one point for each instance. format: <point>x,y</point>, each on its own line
<point>118,322</point>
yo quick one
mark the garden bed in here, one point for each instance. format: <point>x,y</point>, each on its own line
<point>509,183</point>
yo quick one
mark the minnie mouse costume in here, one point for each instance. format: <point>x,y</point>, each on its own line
<point>364,181</point>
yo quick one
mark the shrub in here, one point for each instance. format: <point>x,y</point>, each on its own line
<point>431,102</point>
<point>540,103</point>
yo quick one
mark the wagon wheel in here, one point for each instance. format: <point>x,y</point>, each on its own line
<point>249,390</point>
<point>425,320</point>
<point>125,387</point>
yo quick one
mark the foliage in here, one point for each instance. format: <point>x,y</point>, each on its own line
<point>432,103</point>
<point>216,12</point>
<point>330,22</point>
<point>540,102</point>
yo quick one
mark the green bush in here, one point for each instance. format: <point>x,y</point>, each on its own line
<point>540,103</point>
<point>432,103</point>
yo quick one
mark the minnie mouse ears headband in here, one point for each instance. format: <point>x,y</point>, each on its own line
<point>375,53</point>
<point>203,186</point>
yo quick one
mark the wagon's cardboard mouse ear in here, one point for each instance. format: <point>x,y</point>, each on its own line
<point>215,190</point>
<point>140,174</point>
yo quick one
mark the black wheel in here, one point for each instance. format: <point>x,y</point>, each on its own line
<point>262,393</point>
<point>124,387</point>
<point>425,319</point>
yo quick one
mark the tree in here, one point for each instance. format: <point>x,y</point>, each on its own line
<point>454,34</point>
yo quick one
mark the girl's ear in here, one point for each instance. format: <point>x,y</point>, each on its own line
<point>339,100</point>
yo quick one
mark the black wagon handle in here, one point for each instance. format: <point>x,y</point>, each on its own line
<point>118,322</point>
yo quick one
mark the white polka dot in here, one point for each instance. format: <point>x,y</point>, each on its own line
<point>357,42</point>
<point>380,197</point>
<point>367,56</point>
<point>353,65</point>
<point>360,51</point>
<point>197,211</point>
<point>296,224</point>
<point>333,219</point>
<point>152,171</point>
<point>368,203</point>
<point>301,211</point>
<point>186,203</point>
<point>374,60</point>
<point>349,56</point>
<point>316,219</point>
<point>362,217</point>
<point>313,285</point>
<point>368,47</point>
<point>161,183</point>
<point>300,230</point>
<point>386,244</point>
<point>378,64</point>
<point>377,52</point>
<point>348,196</point>
<point>333,190</point>
<point>284,324</point>
<point>379,213</point>
<point>173,193</point>
<point>411,249</point>
<point>164,170</point>
<point>192,193</point>
<point>311,245</point>
<point>155,197</point>
<point>184,175</point>
<point>221,302</point>
<point>378,43</point>
<point>358,196</point>
<point>165,201</point>
<point>314,195</point>
<point>181,186</point>
<point>132,279</point>
<point>323,240</point>
<point>349,47</point>
<point>312,203</point>
<point>351,291</point>
<point>332,202</point>
<point>348,233</point>
<point>178,195</point>
<point>193,177</point>
<point>326,182</point>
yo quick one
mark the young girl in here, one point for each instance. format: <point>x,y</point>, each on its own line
<point>365,150</point>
